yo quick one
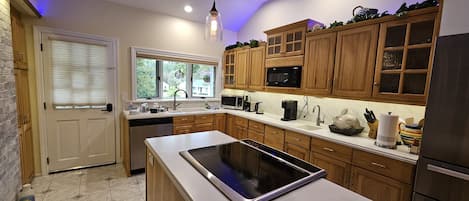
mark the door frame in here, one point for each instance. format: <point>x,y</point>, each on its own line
<point>39,75</point>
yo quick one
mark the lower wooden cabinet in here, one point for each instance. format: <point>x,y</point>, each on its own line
<point>229,128</point>
<point>159,186</point>
<point>240,132</point>
<point>378,187</point>
<point>256,136</point>
<point>274,137</point>
<point>337,171</point>
<point>297,151</point>
<point>220,122</point>
<point>191,124</point>
<point>26,153</point>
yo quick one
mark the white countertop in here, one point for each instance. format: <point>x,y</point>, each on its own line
<point>197,188</point>
<point>361,141</point>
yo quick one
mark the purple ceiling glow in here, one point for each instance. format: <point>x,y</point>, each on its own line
<point>237,14</point>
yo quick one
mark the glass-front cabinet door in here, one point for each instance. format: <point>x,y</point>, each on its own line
<point>404,59</point>
<point>274,45</point>
<point>294,41</point>
<point>229,69</point>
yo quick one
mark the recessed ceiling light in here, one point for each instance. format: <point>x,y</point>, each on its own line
<point>188,8</point>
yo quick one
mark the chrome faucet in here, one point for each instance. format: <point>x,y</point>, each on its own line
<point>318,119</point>
<point>175,105</point>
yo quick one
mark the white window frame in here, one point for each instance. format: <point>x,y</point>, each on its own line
<point>134,51</point>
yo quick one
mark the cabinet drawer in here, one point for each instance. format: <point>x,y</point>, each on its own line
<point>203,127</point>
<point>240,132</point>
<point>183,120</point>
<point>242,122</point>
<point>274,137</point>
<point>254,125</point>
<point>256,136</point>
<point>208,118</point>
<point>297,151</point>
<point>331,149</point>
<point>385,166</point>
<point>297,139</point>
<point>182,129</point>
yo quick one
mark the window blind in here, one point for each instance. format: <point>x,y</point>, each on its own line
<point>78,74</point>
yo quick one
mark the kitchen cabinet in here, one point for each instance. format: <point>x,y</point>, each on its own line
<point>183,124</point>
<point>191,123</point>
<point>274,137</point>
<point>287,40</point>
<point>381,178</point>
<point>355,61</point>
<point>405,58</point>
<point>159,186</point>
<point>334,158</point>
<point>256,131</point>
<point>318,68</point>
<point>337,171</point>
<point>240,128</point>
<point>230,124</point>
<point>220,122</point>
<point>241,66</point>
<point>378,187</point>
<point>256,68</point>
<point>229,68</point>
<point>22,97</point>
<point>203,122</point>
<point>297,145</point>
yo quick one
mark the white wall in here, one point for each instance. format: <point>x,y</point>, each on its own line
<point>133,27</point>
<point>455,19</point>
<point>280,12</point>
<point>331,107</point>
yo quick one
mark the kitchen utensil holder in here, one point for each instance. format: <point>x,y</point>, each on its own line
<point>373,129</point>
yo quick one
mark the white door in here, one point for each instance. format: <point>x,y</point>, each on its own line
<point>79,82</point>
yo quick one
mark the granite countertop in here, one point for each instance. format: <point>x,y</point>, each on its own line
<point>196,187</point>
<point>360,142</point>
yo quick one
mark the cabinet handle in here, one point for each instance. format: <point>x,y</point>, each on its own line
<point>378,165</point>
<point>328,149</point>
<point>297,139</point>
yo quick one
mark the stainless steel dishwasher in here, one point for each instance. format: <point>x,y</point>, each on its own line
<point>140,129</point>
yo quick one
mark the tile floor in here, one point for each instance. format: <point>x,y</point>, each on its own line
<point>106,183</point>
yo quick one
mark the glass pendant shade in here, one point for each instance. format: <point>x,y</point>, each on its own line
<point>213,25</point>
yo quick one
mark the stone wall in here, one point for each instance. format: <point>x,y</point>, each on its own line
<point>9,148</point>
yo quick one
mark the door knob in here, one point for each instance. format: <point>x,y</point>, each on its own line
<point>108,108</point>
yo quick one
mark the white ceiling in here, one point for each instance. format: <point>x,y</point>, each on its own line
<point>234,13</point>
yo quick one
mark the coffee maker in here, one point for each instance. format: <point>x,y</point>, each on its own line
<point>290,108</point>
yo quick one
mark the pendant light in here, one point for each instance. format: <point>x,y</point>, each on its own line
<point>213,26</point>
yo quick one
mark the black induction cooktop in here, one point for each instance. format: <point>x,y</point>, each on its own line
<point>247,170</point>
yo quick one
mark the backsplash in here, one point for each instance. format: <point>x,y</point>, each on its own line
<point>330,107</point>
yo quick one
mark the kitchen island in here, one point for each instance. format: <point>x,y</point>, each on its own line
<point>171,177</point>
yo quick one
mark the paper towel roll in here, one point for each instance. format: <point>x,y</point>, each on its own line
<point>387,130</point>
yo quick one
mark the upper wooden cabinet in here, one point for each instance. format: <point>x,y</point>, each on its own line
<point>405,58</point>
<point>287,40</point>
<point>241,66</point>
<point>229,68</point>
<point>355,61</point>
<point>244,68</point>
<point>257,68</point>
<point>318,67</point>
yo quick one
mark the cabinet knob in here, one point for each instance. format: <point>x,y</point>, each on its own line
<point>376,84</point>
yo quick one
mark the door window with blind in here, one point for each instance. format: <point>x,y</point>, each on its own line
<point>78,75</point>
<point>157,77</point>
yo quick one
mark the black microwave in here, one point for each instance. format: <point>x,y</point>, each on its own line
<point>284,76</point>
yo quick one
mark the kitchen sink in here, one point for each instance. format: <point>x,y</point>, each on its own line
<point>309,127</point>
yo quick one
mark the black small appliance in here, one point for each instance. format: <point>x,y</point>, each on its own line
<point>290,108</point>
<point>289,76</point>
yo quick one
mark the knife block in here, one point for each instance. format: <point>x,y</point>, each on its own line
<point>373,129</point>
